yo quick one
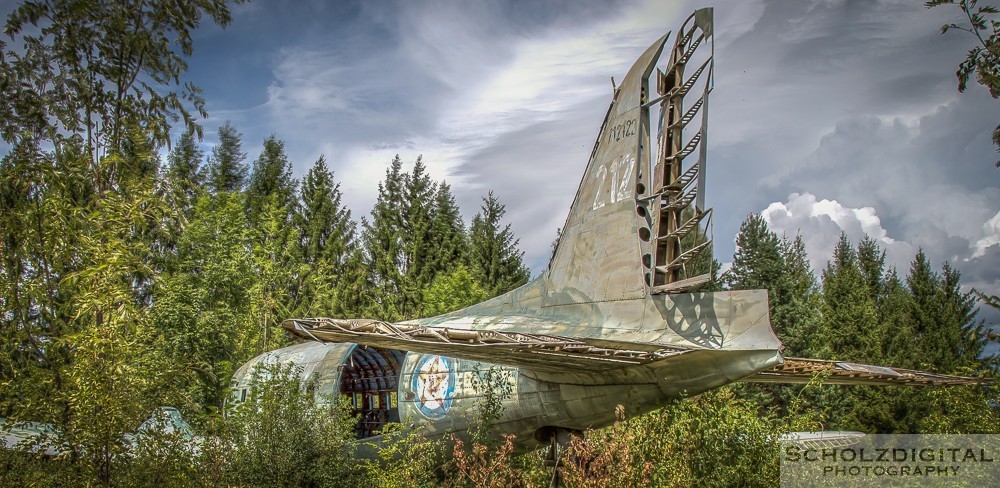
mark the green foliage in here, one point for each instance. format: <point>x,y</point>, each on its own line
<point>451,291</point>
<point>281,436</point>
<point>201,306</point>
<point>182,177</point>
<point>404,458</point>
<point>493,253</point>
<point>226,170</point>
<point>326,242</point>
<point>383,246</point>
<point>271,182</point>
<point>763,261</point>
<point>448,238</point>
<point>943,318</point>
<point>713,439</point>
<point>850,320</point>
<point>983,60</point>
<point>85,74</point>
<point>416,238</point>
<point>757,262</point>
<point>415,234</point>
<point>962,410</point>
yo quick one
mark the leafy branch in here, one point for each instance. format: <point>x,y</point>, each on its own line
<point>983,60</point>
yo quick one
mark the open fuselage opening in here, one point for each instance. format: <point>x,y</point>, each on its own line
<point>369,379</point>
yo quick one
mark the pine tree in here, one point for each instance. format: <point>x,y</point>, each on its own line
<point>448,238</point>
<point>899,347</point>
<point>947,334</point>
<point>417,217</point>
<point>226,171</point>
<point>184,165</point>
<point>780,266</point>
<point>183,176</point>
<point>925,309</point>
<point>354,290</point>
<point>383,247</point>
<point>326,238</point>
<point>493,253</point>
<point>871,260</point>
<point>271,181</point>
<point>757,263</point>
<point>796,310</point>
<point>850,319</point>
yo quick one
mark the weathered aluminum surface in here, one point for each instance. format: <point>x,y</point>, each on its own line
<point>801,370</point>
<point>317,360</point>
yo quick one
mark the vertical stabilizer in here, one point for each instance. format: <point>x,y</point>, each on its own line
<point>630,211</point>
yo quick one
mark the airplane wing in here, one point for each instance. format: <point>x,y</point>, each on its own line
<point>543,353</point>
<point>822,440</point>
<point>561,354</point>
<point>802,370</point>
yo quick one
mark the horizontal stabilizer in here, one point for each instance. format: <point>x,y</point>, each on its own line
<point>800,370</point>
<point>542,353</point>
<point>822,440</point>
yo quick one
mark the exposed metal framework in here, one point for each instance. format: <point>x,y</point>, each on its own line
<point>484,345</point>
<point>682,224</point>
<point>799,370</point>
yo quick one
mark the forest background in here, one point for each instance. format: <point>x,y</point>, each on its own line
<point>127,282</point>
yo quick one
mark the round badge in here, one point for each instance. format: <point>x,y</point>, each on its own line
<point>434,385</point>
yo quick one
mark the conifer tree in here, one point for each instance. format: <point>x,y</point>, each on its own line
<point>326,238</point>
<point>184,164</point>
<point>796,309</point>
<point>383,247</point>
<point>493,252</point>
<point>780,266</point>
<point>354,292</point>
<point>269,202</point>
<point>871,259</point>
<point>757,262</point>
<point>181,182</point>
<point>850,319</point>
<point>947,335</point>
<point>271,181</point>
<point>226,170</point>
<point>899,344</point>
<point>448,238</point>
<point>416,220</point>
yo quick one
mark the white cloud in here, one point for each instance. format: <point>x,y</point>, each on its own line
<point>991,236</point>
<point>820,223</point>
<point>853,106</point>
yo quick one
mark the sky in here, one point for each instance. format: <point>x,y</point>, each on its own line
<point>827,116</point>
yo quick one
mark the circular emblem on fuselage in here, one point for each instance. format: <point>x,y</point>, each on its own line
<point>434,385</point>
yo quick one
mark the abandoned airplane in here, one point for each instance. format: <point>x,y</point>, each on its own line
<point>616,318</point>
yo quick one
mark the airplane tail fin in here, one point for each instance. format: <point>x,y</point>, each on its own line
<point>638,224</point>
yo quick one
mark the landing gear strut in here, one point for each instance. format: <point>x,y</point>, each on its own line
<point>559,440</point>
